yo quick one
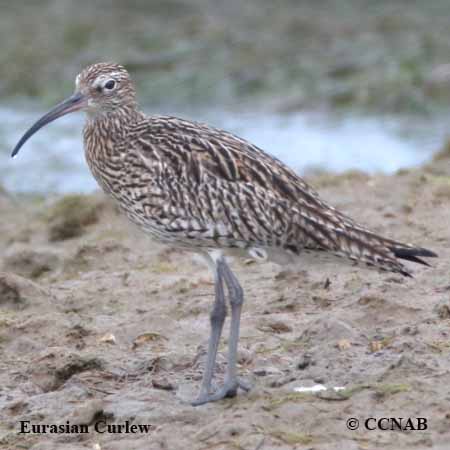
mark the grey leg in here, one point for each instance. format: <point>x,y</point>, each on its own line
<point>217,319</point>
<point>236,294</point>
<point>236,297</point>
<point>236,300</point>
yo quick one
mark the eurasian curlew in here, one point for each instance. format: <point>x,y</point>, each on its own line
<point>200,188</point>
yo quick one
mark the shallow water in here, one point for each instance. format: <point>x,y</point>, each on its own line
<point>53,159</point>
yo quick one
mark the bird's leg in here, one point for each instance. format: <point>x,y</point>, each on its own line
<point>217,319</point>
<point>236,295</point>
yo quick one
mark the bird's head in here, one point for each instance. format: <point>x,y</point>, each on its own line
<point>100,89</point>
<point>104,87</point>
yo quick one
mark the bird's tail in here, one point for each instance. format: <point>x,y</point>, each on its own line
<point>364,246</point>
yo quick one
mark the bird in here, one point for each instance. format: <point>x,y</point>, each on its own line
<point>195,187</point>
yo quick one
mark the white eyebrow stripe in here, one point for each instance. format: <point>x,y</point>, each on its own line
<point>115,74</point>
<point>104,77</point>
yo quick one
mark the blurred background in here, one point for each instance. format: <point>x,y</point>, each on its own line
<point>322,84</point>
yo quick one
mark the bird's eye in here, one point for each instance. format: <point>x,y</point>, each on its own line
<point>110,84</point>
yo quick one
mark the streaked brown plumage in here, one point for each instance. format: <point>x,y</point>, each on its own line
<point>198,187</point>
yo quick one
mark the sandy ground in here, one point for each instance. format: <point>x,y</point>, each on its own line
<point>99,324</point>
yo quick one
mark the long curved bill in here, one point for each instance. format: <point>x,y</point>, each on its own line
<point>71,104</point>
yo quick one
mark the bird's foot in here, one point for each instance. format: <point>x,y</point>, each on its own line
<point>229,389</point>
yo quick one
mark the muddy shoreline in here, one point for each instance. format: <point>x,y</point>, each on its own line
<point>97,322</point>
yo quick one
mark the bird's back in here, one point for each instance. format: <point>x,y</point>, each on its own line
<point>198,186</point>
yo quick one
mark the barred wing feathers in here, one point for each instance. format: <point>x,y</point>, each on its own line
<point>222,189</point>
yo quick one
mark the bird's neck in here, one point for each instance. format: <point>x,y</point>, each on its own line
<point>104,131</point>
<point>104,135</point>
<point>110,126</point>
